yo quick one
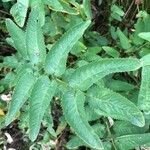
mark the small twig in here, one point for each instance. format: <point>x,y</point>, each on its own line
<point>109,133</point>
<point>134,13</point>
<point>128,10</point>
<point>145,44</point>
<point>4,12</point>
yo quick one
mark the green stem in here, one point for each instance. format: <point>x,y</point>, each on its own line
<point>143,5</point>
<point>145,44</point>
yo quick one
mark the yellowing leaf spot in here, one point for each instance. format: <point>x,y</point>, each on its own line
<point>2,112</point>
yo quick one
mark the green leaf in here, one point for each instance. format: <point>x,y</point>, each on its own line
<point>86,75</point>
<point>144,94</point>
<point>145,36</point>
<point>48,122</point>
<point>20,95</point>
<point>132,141</point>
<point>116,13</point>
<point>10,62</point>
<point>61,6</point>
<point>54,5</point>
<point>77,122</point>
<point>91,114</point>
<point>78,48</point>
<point>10,41</point>
<point>87,8</point>
<point>19,11</point>
<point>139,27</point>
<point>18,37</point>
<point>67,8</point>
<point>56,59</point>
<point>39,4</point>
<point>24,119</point>
<point>144,51</point>
<point>6,0</point>
<point>124,128</point>
<point>111,51</point>
<point>124,41</point>
<point>20,71</point>
<point>108,103</point>
<point>117,10</point>
<point>145,61</point>
<point>118,85</point>
<point>75,142</point>
<point>7,80</point>
<point>34,38</point>
<point>39,101</point>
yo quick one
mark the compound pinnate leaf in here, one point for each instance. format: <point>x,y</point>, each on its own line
<point>34,38</point>
<point>40,98</point>
<point>108,103</point>
<point>20,95</point>
<point>86,75</point>
<point>18,36</point>
<point>56,59</point>
<point>77,122</point>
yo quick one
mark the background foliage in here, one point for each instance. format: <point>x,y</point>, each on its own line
<point>75,74</point>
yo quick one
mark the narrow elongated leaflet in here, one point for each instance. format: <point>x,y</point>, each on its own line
<point>56,59</point>
<point>61,6</point>
<point>34,38</point>
<point>111,51</point>
<point>18,36</point>
<point>145,61</point>
<point>124,41</point>
<point>54,4</point>
<point>86,75</point>
<point>144,94</point>
<point>108,103</point>
<point>20,95</point>
<point>39,4</point>
<point>77,122</point>
<point>76,142</point>
<point>19,11</point>
<point>145,35</point>
<point>127,142</point>
<point>87,8</point>
<point>40,98</point>
<point>121,128</point>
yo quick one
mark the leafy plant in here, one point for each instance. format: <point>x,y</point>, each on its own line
<point>86,88</point>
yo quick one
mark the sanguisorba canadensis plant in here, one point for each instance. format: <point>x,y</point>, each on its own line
<point>43,75</point>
